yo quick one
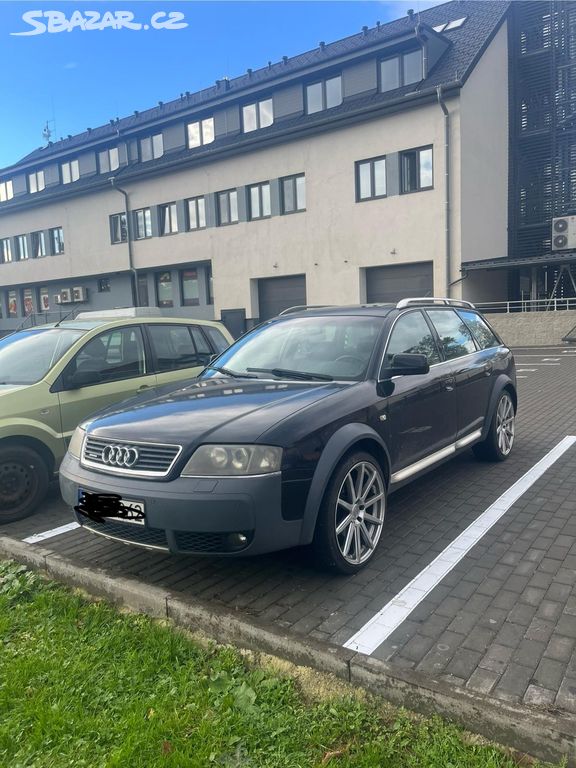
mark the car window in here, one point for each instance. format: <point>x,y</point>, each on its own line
<point>112,356</point>
<point>27,356</point>
<point>217,338</point>
<point>411,335</point>
<point>173,347</point>
<point>480,328</point>
<point>455,337</point>
<point>202,347</point>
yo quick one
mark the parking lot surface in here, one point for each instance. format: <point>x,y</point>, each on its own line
<point>501,621</point>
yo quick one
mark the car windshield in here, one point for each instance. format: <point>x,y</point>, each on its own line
<point>27,356</point>
<point>304,348</point>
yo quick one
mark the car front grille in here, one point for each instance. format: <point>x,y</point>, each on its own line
<point>129,458</point>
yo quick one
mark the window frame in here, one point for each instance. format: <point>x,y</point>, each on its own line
<point>259,186</point>
<point>168,212</point>
<point>152,139</point>
<point>157,281</point>
<point>200,124</point>
<point>56,241</point>
<point>258,114</point>
<point>426,310</point>
<point>122,228</point>
<point>399,57</point>
<point>433,334</point>
<point>73,167</point>
<point>195,202</point>
<point>18,240</point>
<point>143,211</point>
<point>372,161</point>
<point>38,187</point>
<point>417,151</point>
<point>219,196</point>
<point>39,246</point>
<point>6,190</point>
<point>189,302</point>
<point>293,178</point>
<point>6,251</point>
<point>109,153</point>
<point>322,82</point>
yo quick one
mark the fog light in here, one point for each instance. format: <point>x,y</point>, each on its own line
<point>237,540</point>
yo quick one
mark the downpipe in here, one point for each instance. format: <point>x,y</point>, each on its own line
<point>133,272</point>
<point>448,248</point>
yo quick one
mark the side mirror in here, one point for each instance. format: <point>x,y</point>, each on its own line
<point>406,365</point>
<point>83,379</point>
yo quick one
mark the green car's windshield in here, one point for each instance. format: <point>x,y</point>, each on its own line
<point>304,348</point>
<point>27,356</point>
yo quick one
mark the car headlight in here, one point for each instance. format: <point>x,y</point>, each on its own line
<point>233,460</point>
<point>75,444</point>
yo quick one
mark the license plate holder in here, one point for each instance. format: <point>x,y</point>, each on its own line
<point>107,506</point>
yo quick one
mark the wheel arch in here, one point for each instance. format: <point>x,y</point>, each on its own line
<point>351,437</point>
<point>502,383</point>
<point>34,444</point>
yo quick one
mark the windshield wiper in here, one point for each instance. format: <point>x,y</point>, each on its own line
<point>283,372</point>
<point>228,372</point>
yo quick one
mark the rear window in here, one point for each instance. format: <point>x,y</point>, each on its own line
<point>480,329</point>
<point>217,338</point>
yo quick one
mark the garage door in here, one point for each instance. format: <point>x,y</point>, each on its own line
<point>278,293</point>
<point>401,281</point>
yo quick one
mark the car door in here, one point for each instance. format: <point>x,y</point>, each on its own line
<point>470,366</point>
<point>419,411</point>
<point>109,368</point>
<point>180,351</point>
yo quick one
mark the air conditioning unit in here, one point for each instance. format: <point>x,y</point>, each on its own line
<point>79,294</point>
<point>65,296</point>
<point>57,298</point>
<point>564,233</point>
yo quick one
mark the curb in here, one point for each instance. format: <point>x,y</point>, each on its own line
<point>545,735</point>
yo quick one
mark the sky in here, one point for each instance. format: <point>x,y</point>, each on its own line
<point>75,78</point>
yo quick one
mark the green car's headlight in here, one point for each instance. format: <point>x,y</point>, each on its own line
<point>75,445</point>
<point>233,460</point>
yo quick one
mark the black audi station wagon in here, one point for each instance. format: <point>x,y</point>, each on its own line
<point>296,433</point>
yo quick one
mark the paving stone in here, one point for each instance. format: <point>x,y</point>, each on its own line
<point>566,698</point>
<point>522,614</point>
<point>510,634</point>
<point>532,596</point>
<point>528,653</point>
<point>496,658</point>
<point>483,680</point>
<point>559,648</point>
<point>540,629</point>
<point>513,683</point>
<point>540,697</point>
<point>479,639</point>
<point>558,592</point>
<point>567,625</point>
<point>550,673</point>
<point>463,663</point>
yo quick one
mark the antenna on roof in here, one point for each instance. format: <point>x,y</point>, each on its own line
<point>46,132</point>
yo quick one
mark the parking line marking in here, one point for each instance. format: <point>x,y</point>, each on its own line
<point>49,534</point>
<point>389,618</point>
<point>526,370</point>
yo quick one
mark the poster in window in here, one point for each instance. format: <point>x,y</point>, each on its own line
<point>28,303</point>
<point>45,301</point>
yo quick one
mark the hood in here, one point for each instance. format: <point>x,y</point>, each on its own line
<point>211,410</point>
<point>6,389</point>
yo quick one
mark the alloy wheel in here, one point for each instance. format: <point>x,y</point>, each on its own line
<point>505,424</point>
<point>360,510</point>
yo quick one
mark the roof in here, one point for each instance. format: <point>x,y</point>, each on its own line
<point>504,262</point>
<point>466,45</point>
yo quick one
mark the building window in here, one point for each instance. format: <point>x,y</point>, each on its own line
<point>12,304</point>
<point>108,160</point>
<point>168,219</point>
<point>39,247</point>
<point>259,196</point>
<point>257,115</point>
<point>201,132</point>
<point>294,194</point>
<point>56,241</point>
<point>190,293</point>
<point>6,190</point>
<point>36,182</point>
<point>151,147</point>
<point>44,299</point>
<point>22,248</point>
<point>143,300</point>
<point>28,302</point>
<point>164,289</point>
<point>143,222</point>
<point>227,207</point>
<point>416,169</point>
<point>196,213</point>
<point>371,179</point>
<point>118,228</point>
<point>5,250</point>
<point>324,95</point>
<point>209,284</point>
<point>401,70</point>
<point>104,285</point>
<point>70,171</point>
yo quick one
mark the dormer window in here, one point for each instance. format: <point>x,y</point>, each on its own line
<point>70,171</point>
<point>36,182</point>
<point>257,115</point>
<point>201,132</point>
<point>151,147</point>
<point>108,160</point>
<point>6,190</point>
<point>401,70</point>
<point>324,95</point>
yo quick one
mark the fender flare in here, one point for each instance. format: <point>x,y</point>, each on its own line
<point>338,445</point>
<point>501,383</point>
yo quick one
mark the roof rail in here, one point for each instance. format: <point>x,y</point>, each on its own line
<point>433,300</point>
<point>303,307</point>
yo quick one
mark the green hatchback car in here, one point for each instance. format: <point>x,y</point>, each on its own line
<point>53,376</point>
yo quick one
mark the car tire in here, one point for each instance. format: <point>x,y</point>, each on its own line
<point>500,438</point>
<point>23,482</point>
<point>351,515</point>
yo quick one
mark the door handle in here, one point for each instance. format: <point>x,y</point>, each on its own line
<point>143,388</point>
<point>449,384</point>
<point>488,369</point>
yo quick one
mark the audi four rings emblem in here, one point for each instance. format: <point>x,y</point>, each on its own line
<point>120,455</point>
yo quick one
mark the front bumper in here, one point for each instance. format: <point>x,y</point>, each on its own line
<point>190,515</point>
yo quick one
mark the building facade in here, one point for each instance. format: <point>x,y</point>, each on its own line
<point>366,170</point>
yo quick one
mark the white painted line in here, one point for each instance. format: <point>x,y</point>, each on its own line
<point>550,359</point>
<point>49,534</point>
<point>389,618</point>
<point>521,377</point>
<point>526,370</point>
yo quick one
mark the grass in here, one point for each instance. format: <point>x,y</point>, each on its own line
<point>84,685</point>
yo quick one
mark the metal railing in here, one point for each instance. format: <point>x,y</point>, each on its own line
<point>526,305</point>
<point>50,316</point>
